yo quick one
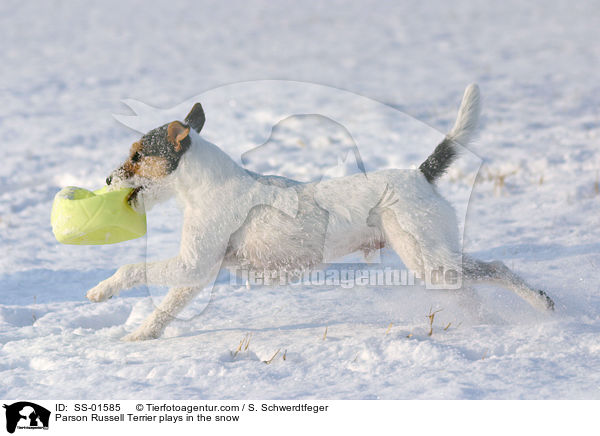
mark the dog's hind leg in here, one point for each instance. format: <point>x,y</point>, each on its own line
<point>476,271</point>
<point>419,253</point>
<point>403,243</point>
<point>423,261</point>
<point>153,326</point>
<point>425,238</point>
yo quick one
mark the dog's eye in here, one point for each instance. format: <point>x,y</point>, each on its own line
<point>136,157</point>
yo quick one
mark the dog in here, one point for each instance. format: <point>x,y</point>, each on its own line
<point>238,219</point>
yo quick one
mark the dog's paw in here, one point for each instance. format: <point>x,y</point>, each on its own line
<point>102,292</point>
<point>547,302</point>
<point>140,335</point>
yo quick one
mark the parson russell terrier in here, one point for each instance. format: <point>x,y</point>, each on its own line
<point>236,218</point>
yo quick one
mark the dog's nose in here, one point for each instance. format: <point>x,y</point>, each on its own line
<point>108,180</point>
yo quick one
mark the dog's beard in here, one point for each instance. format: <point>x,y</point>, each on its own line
<point>136,200</point>
<point>146,192</point>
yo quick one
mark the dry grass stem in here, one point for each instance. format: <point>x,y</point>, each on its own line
<point>244,344</point>
<point>389,328</point>
<point>273,357</point>
<point>431,317</point>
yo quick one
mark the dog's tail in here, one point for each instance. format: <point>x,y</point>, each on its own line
<point>462,132</point>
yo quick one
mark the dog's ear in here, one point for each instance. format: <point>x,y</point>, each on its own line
<point>177,134</point>
<point>196,117</point>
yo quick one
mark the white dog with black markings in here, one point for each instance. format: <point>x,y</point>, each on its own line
<point>239,219</point>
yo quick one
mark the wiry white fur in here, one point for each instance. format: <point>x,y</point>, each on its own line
<point>468,117</point>
<point>236,218</point>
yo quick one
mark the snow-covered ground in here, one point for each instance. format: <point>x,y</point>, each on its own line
<point>65,66</point>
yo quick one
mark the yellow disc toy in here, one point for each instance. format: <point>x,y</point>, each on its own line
<point>82,217</point>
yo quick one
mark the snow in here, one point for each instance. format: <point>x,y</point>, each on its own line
<point>535,203</point>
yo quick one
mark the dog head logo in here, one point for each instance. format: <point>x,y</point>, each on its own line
<point>26,415</point>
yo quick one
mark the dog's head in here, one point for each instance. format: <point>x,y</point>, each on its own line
<point>155,157</point>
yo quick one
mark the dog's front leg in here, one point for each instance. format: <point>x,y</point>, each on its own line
<point>158,274</point>
<point>126,277</point>
<point>205,242</point>
<point>171,272</point>
<point>172,304</point>
<point>177,297</point>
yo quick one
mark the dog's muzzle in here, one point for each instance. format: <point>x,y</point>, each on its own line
<point>115,177</point>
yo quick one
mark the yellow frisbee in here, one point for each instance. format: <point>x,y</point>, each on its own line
<point>82,217</point>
